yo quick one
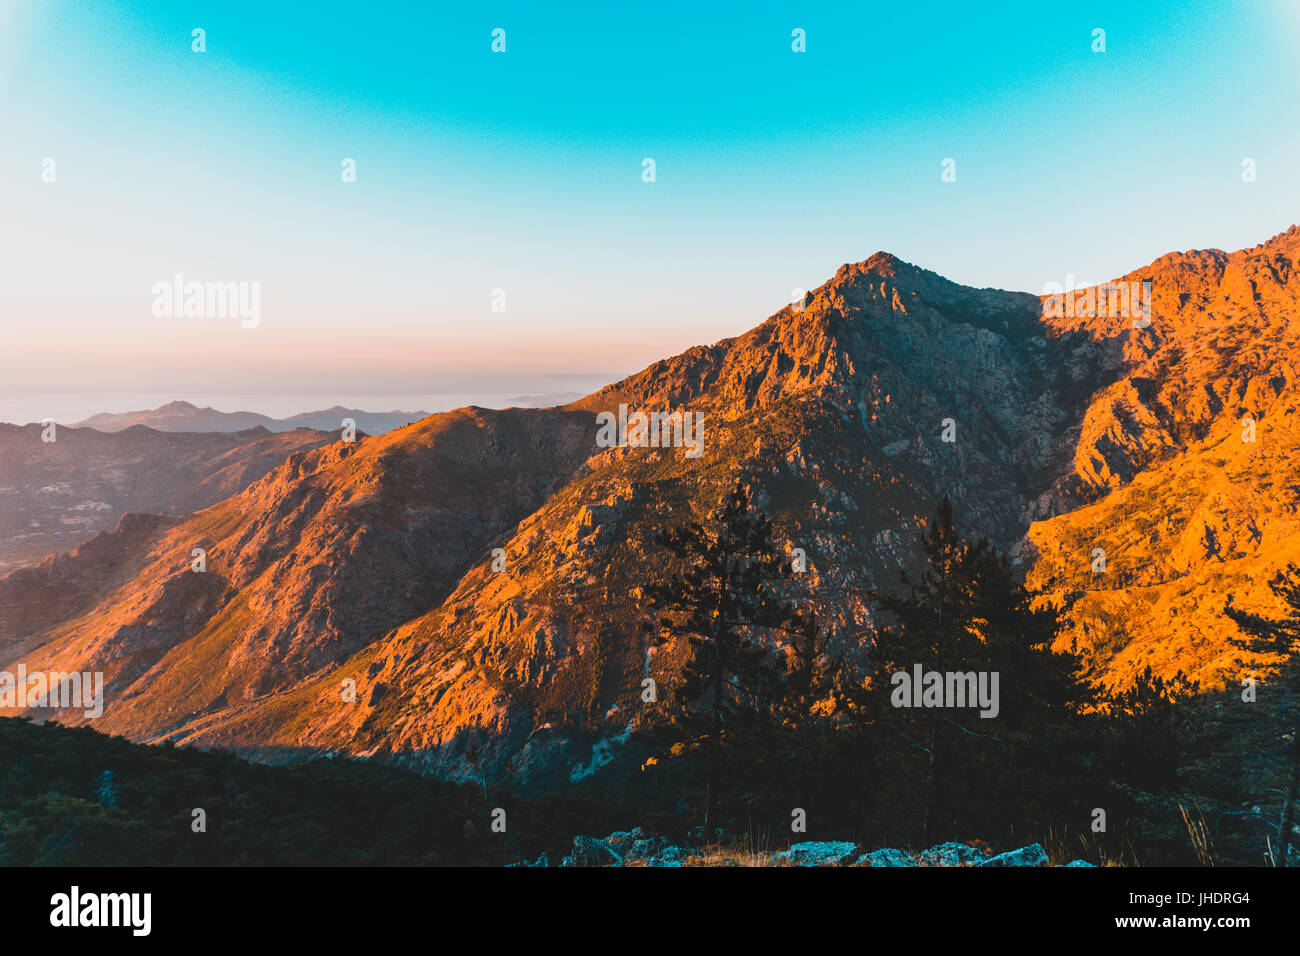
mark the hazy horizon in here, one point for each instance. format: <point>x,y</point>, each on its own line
<point>514,180</point>
<point>69,407</point>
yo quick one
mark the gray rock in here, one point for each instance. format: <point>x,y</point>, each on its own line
<point>636,844</point>
<point>641,849</point>
<point>1080,863</point>
<point>589,851</point>
<point>951,854</point>
<point>622,840</point>
<point>886,857</point>
<point>1032,855</point>
<point>815,853</point>
<point>667,856</point>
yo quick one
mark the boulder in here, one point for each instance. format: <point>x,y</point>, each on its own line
<point>589,851</point>
<point>886,857</point>
<point>641,849</point>
<point>1079,863</point>
<point>621,841</point>
<point>667,856</point>
<point>951,854</point>
<point>1032,855</point>
<point>815,853</point>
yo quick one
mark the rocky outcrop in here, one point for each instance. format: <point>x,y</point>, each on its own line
<point>887,857</point>
<point>1032,855</point>
<point>951,854</point>
<point>637,848</point>
<point>816,854</point>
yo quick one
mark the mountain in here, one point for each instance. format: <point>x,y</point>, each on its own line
<point>304,566</point>
<point>185,417</point>
<point>846,415</point>
<point>56,495</point>
<point>1187,467</point>
<point>544,400</point>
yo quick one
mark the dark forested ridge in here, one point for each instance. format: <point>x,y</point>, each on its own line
<point>72,796</point>
<point>1158,774</point>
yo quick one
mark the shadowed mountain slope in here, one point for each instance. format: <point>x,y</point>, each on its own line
<point>56,495</point>
<point>846,416</point>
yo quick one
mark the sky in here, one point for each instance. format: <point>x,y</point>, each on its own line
<point>499,235</point>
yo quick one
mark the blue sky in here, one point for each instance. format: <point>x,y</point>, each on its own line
<point>522,171</point>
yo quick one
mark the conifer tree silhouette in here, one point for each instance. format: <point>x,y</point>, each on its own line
<point>968,611</point>
<point>928,629</point>
<point>1279,636</point>
<point>811,679</point>
<point>720,600</point>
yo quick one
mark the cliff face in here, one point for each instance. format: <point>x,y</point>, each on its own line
<point>847,416</point>
<point>1187,462</point>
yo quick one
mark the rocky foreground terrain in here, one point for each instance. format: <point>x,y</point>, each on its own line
<point>479,576</point>
<point>636,848</point>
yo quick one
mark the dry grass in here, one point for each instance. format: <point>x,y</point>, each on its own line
<point>1064,846</point>
<point>746,850</point>
<point>1199,834</point>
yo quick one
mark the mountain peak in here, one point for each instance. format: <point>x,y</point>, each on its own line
<point>885,260</point>
<point>1288,240</point>
<point>884,264</point>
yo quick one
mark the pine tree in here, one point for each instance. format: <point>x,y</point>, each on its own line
<point>928,629</point>
<point>1148,721</point>
<point>810,681</point>
<point>1279,636</point>
<point>720,601</point>
<point>967,612</point>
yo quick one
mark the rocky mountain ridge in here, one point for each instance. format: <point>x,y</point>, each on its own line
<point>476,579</point>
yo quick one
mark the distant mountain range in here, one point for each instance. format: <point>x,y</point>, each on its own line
<point>1171,446</point>
<point>185,417</point>
<point>56,495</point>
<point>172,460</point>
<point>181,416</point>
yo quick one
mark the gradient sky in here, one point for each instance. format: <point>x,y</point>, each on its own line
<point>522,171</point>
